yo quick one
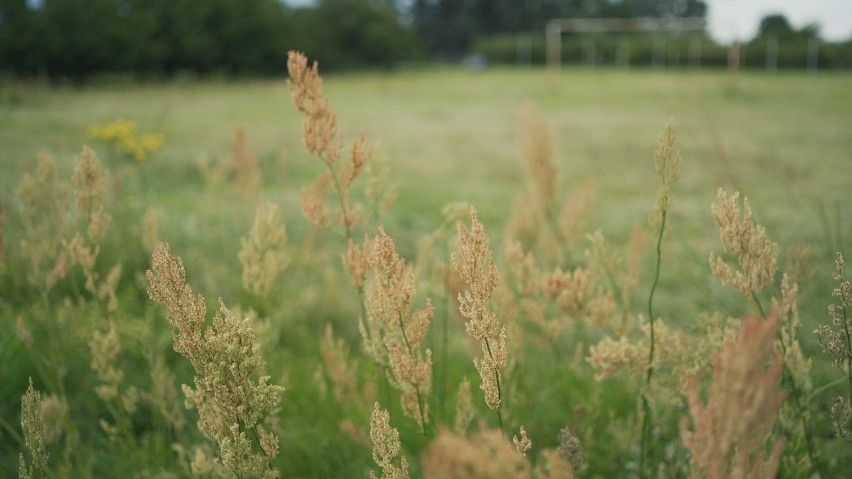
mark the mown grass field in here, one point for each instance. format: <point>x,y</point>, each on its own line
<point>784,141</point>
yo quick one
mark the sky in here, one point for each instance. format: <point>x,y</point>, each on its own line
<point>738,19</point>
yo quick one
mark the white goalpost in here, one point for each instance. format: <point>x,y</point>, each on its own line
<point>556,27</point>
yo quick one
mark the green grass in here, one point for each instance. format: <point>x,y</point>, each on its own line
<point>448,135</point>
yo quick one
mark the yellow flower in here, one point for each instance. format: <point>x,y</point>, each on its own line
<point>121,135</point>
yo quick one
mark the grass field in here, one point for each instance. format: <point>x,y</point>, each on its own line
<point>784,141</point>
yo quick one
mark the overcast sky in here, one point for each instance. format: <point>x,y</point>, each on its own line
<point>738,19</point>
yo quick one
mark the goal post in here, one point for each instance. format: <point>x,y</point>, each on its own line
<point>556,27</point>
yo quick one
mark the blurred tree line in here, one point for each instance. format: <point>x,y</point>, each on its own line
<point>153,38</point>
<point>79,38</point>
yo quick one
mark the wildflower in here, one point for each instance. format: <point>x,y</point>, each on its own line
<point>121,134</point>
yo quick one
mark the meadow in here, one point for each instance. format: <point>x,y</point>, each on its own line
<point>529,149</point>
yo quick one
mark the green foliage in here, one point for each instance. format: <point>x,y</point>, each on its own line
<point>152,38</point>
<point>449,136</point>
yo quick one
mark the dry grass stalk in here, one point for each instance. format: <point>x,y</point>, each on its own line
<point>730,431</point>
<point>667,163</point>
<point>231,403</point>
<point>570,449</point>
<point>538,155</point>
<point>2,228</point>
<point>836,341</point>
<point>487,455</point>
<point>484,455</point>
<point>464,408</point>
<point>757,256</point>
<point>475,264</point>
<point>396,330</point>
<point>89,192</point>
<point>386,446</point>
<point>244,165</point>
<point>757,265</point>
<point>32,424</point>
<point>522,443</point>
<point>164,396</point>
<point>337,365</point>
<point>355,262</point>
<point>323,140</point>
<point>537,220</point>
<point>263,254</point>
<point>45,203</point>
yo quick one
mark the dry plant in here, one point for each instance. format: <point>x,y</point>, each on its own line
<point>836,341</point>
<point>487,455</point>
<point>32,424</point>
<point>120,402</point>
<point>231,403</point>
<point>323,140</point>
<point>243,164</point>
<point>2,228</point>
<point>757,256</point>
<point>755,270</point>
<point>667,163</point>
<point>44,206</point>
<point>263,254</point>
<point>475,264</point>
<point>386,446</point>
<point>464,408</point>
<point>396,330</point>
<point>339,368</point>
<point>537,219</point>
<point>150,229</point>
<point>730,430</point>
<point>84,251</point>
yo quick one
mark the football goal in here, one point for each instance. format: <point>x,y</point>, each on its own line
<point>591,31</point>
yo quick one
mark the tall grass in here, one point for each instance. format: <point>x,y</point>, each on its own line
<point>325,350</point>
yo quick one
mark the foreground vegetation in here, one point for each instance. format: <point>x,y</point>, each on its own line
<point>593,333</point>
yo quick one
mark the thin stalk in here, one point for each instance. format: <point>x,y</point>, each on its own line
<point>796,394</point>
<point>646,417</point>
<point>416,387</point>
<point>499,390</point>
<point>848,344</point>
<point>445,322</point>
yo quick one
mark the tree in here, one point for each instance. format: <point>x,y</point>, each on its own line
<point>775,24</point>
